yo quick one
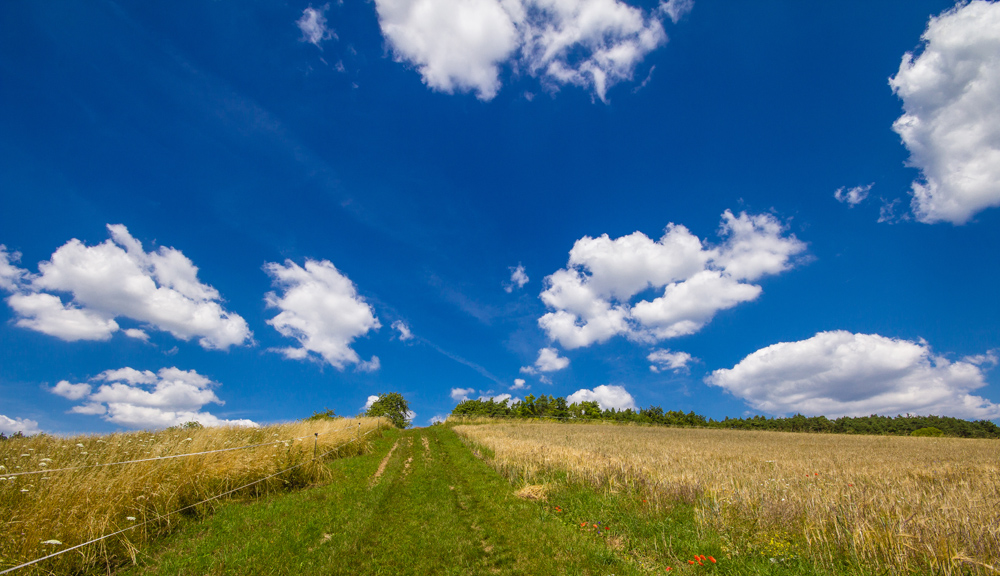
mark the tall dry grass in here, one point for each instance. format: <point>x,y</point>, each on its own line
<point>71,507</point>
<point>893,504</point>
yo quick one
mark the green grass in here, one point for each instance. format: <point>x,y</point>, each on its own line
<point>444,511</point>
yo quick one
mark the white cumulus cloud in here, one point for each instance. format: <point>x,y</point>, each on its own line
<point>14,425</point>
<point>519,384</point>
<point>518,278</point>
<point>591,299</point>
<point>663,360</point>
<point>368,403</point>
<point>840,373</point>
<point>144,399</point>
<point>548,360</point>
<point>606,397</point>
<point>852,196</point>
<point>951,119</point>
<point>313,25</point>
<point>10,274</point>
<point>321,309</point>
<point>403,329</point>
<point>461,45</point>
<point>118,279</point>
<point>71,391</point>
<point>461,394</point>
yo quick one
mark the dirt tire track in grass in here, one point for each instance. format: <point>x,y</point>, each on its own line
<point>382,465</point>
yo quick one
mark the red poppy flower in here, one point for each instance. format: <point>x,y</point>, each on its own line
<point>712,559</point>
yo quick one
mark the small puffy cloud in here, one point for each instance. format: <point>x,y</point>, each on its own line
<point>461,45</point>
<point>499,398</point>
<point>663,360</point>
<point>372,365</point>
<point>137,334</point>
<point>852,196</point>
<point>592,298</point>
<point>606,397</point>
<point>313,25</point>
<point>518,278</point>
<point>951,119</point>
<point>843,374</point>
<point>10,274</point>
<point>368,403</point>
<point>548,360</point>
<point>676,9</point>
<point>403,329</point>
<point>519,384</point>
<point>439,418</point>
<point>14,425</point>
<point>71,391</point>
<point>117,278</point>
<point>461,394</point>
<point>321,309</point>
<point>144,399</point>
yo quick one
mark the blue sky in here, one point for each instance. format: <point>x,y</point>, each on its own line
<point>250,212</point>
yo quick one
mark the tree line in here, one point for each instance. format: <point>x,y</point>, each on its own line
<point>557,407</point>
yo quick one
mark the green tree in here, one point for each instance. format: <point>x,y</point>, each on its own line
<point>392,406</point>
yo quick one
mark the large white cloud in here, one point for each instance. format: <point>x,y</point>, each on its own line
<point>839,373</point>
<point>321,309</point>
<point>144,399</point>
<point>951,120</point>
<point>606,397</point>
<point>118,279</point>
<point>462,44</point>
<point>591,299</point>
<point>14,425</point>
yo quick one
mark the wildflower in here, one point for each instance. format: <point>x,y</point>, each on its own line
<point>53,542</point>
<point>24,489</point>
<point>699,563</point>
<point>668,568</point>
<point>607,528</point>
<point>711,559</point>
<point>79,445</point>
<point>691,562</point>
<point>132,518</point>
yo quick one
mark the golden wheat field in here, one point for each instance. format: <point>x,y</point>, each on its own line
<point>895,504</point>
<point>44,512</point>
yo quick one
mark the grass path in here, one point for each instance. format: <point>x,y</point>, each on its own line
<point>434,509</point>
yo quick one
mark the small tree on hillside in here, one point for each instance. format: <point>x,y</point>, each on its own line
<point>392,406</point>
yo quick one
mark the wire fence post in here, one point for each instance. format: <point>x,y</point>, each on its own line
<point>315,444</point>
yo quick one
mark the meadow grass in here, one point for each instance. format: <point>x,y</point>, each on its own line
<point>873,503</point>
<point>43,513</point>
<point>420,503</point>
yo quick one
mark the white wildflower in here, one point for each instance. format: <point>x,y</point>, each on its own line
<point>132,518</point>
<point>24,489</point>
<point>79,446</point>
<point>53,542</point>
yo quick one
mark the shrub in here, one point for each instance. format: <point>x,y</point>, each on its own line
<point>929,431</point>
